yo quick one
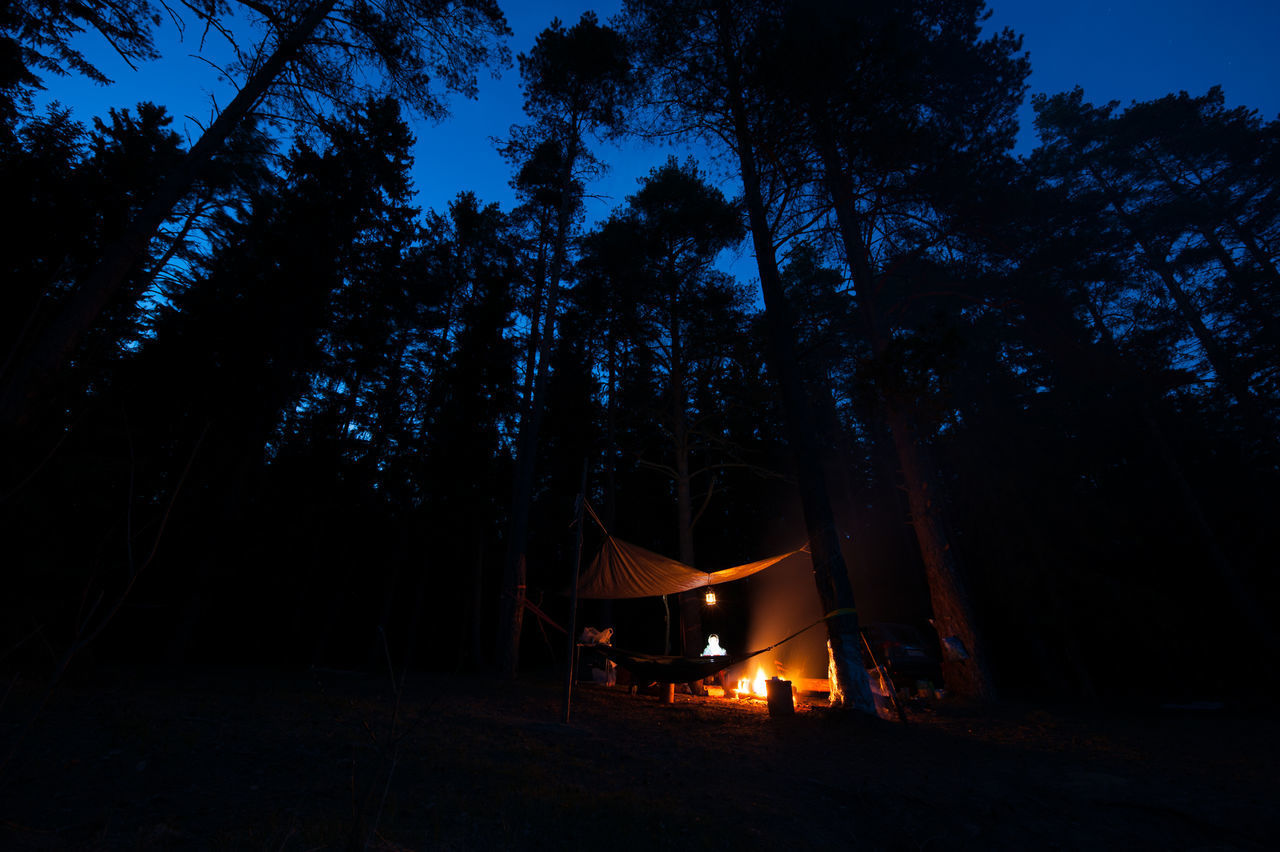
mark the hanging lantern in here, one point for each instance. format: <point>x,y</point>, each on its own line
<point>711,593</point>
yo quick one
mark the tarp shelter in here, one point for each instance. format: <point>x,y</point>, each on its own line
<point>622,570</point>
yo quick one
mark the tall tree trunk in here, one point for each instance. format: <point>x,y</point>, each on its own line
<point>477,595</point>
<point>850,688</point>
<point>511,609</point>
<point>610,508</point>
<point>225,522</point>
<point>57,343</point>
<point>1064,621</point>
<point>390,593</point>
<point>1047,613</point>
<point>690,622</point>
<point>690,602</point>
<point>534,347</point>
<point>952,610</point>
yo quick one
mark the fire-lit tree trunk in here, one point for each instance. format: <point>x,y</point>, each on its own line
<point>969,673</point>
<point>965,669</point>
<point>850,687</point>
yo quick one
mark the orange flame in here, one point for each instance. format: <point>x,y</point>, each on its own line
<point>748,686</point>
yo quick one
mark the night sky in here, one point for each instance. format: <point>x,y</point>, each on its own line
<point>1122,51</point>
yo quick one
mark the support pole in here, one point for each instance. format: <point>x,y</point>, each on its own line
<point>666,627</point>
<point>571,664</point>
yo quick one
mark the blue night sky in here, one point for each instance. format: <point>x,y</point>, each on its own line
<point>1122,51</point>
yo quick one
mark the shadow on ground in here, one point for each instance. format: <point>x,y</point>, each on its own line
<point>232,760</point>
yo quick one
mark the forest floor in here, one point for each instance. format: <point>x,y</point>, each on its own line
<point>232,760</point>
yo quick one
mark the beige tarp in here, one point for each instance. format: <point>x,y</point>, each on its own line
<point>624,570</point>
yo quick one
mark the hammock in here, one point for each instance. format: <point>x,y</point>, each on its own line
<point>663,669</point>
<point>655,667</point>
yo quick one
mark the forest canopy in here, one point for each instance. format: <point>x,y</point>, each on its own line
<point>257,404</point>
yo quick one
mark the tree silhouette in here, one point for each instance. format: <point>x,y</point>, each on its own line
<point>576,82</point>
<point>310,58</point>
<point>700,58</point>
<point>655,257</point>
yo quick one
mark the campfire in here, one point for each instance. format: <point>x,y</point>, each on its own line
<point>744,688</point>
<point>756,687</point>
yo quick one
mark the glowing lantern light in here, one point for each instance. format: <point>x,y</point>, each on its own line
<point>711,597</point>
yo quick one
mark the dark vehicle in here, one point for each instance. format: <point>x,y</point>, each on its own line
<point>902,651</point>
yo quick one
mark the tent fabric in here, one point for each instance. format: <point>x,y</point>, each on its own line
<point>622,570</point>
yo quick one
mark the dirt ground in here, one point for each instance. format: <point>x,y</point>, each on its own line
<point>232,760</point>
